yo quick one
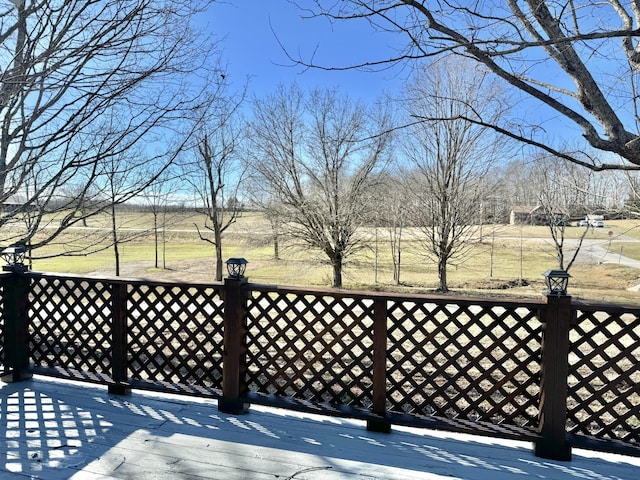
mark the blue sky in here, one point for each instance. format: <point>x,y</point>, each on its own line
<point>251,49</point>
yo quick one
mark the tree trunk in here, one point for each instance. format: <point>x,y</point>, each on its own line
<point>155,234</point>
<point>337,272</point>
<point>560,258</point>
<point>442,275</point>
<point>275,227</point>
<point>114,233</point>
<point>493,244</point>
<point>164,240</point>
<point>276,246</point>
<point>396,268</point>
<point>219,262</point>
<point>116,254</point>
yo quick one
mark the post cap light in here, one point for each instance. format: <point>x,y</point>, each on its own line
<point>556,281</point>
<point>236,267</point>
<point>14,258</point>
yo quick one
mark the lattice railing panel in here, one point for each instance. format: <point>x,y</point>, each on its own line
<point>312,347</point>
<point>2,281</point>
<point>175,334</point>
<point>71,324</point>
<point>466,361</point>
<point>604,375</point>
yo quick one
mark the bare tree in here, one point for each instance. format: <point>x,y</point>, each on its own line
<point>577,60</point>
<point>158,197</point>
<point>216,172</point>
<point>123,180</point>
<point>314,158</point>
<point>609,192</point>
<point>84,81</point>
<point>632,206</point>
<point>391,212</point>
<point>274,222</point>
<point>563,192</point>
<point>452,158</point>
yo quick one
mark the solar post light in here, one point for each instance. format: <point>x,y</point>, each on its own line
<point>14,258</point>
<point>236,268</point>
<point>556,281</point>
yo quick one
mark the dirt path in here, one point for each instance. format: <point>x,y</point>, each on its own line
<point>196,271</point>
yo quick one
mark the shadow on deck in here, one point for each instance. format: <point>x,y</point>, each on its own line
<point>65,430</point>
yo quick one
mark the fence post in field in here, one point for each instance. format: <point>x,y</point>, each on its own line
<point>378,423</point>
<point>233,358</point>
<point>556,319</point>
<point>119,340</point>
<point>16,328</point>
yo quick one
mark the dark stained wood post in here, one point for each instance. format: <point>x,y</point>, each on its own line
<point>119,340</point>
<point>552,425</point>
<point>233,358</point>
<point>378,423</point>
<point>16,328</point>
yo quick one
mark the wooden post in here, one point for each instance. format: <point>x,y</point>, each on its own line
<point>119,340</point>
<point>378,423</point>
<point>552,443</point>
<point>16,328</point>
<point>233,358</point>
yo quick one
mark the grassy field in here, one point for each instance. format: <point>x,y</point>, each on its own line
<point>506,260</point>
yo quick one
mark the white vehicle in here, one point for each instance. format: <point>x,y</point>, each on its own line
<point>596,221</point>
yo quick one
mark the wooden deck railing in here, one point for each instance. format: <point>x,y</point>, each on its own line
<point>553,371</point>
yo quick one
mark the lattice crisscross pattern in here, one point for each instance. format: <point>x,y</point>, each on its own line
<point>464,360</point>
<point>468,363</point>
<point>312,347</point>
<point>604,375</point>
<point>175,334</point>
<point>2,280</point>
<point>71,324</point>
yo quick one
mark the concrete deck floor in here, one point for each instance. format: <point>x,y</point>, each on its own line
<point>63,430</point>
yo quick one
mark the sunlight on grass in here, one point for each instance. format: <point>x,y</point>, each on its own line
<point>505,256</point>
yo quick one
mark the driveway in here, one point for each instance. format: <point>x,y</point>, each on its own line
<point>598,251</point>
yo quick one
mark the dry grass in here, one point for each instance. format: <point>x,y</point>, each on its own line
<point>506,260</point>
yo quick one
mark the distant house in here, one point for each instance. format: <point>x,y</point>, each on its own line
<point>17,203</point>
<point>522,214</point>
<point>534,215</point>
